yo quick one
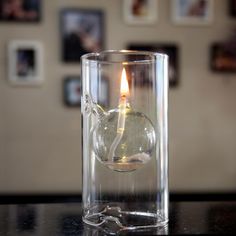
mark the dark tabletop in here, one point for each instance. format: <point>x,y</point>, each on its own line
<point>65,219</point>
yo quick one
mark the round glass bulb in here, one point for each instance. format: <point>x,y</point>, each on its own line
<point>135,145</point>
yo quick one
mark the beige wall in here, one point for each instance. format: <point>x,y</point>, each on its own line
<point>40,138</point>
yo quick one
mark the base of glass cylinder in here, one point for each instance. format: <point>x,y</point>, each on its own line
<point>113,219</point>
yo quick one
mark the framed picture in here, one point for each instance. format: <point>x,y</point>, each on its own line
<point>192,12</point>
<point>103,98</point>
<point>25,63</point>
<point>171,50</point>
<point>138,12</point>
<point>82,32</point>
<point>232,8</point>
<point>222,58</point>
<point>72,87</point>
<point>20,10</point>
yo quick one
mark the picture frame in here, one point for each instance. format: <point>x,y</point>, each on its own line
<point>222,58</point>
<point>171,50</point>
<point>232,8</point>
<point>192,12</point>
<point>140,12</point>
<point>82,31</point>
<point>72,90</point>
<point>25,63</point>
<point>26,11</point>
<point>100,91</point>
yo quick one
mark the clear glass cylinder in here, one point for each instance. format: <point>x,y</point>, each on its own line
<point>125,140</point>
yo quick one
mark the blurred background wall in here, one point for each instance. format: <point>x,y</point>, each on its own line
<point>40,138</point>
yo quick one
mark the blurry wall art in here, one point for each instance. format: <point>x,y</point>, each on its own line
<point>20,10</point>
<point>25,62</point>
<point>223,58</point>
<point>82,32</point>
<point>171,50</point>
<point>192,12</point>
<point>72,91</point>
<point>232,8</point>
<point>140,11</point>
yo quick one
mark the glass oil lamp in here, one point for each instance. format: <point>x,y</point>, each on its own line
<point>125,156</point>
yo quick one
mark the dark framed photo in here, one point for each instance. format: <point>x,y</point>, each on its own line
<point>82,32</point>
<point>222,58</point>
<point>72,88</point>
<point>20,10</point>
<point>232,8</point>
<point>171,50</point>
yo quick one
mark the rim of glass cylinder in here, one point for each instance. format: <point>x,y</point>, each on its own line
<point>88,57</point>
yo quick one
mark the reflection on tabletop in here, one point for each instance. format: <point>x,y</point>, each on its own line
<point>65,219</point>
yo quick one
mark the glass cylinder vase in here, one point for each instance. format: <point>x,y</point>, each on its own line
<point>125,140</point>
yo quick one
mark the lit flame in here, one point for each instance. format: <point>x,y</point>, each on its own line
<point>124,86</point>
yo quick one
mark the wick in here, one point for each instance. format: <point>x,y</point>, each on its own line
<point>124,91</point>
<point>120,127</point>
